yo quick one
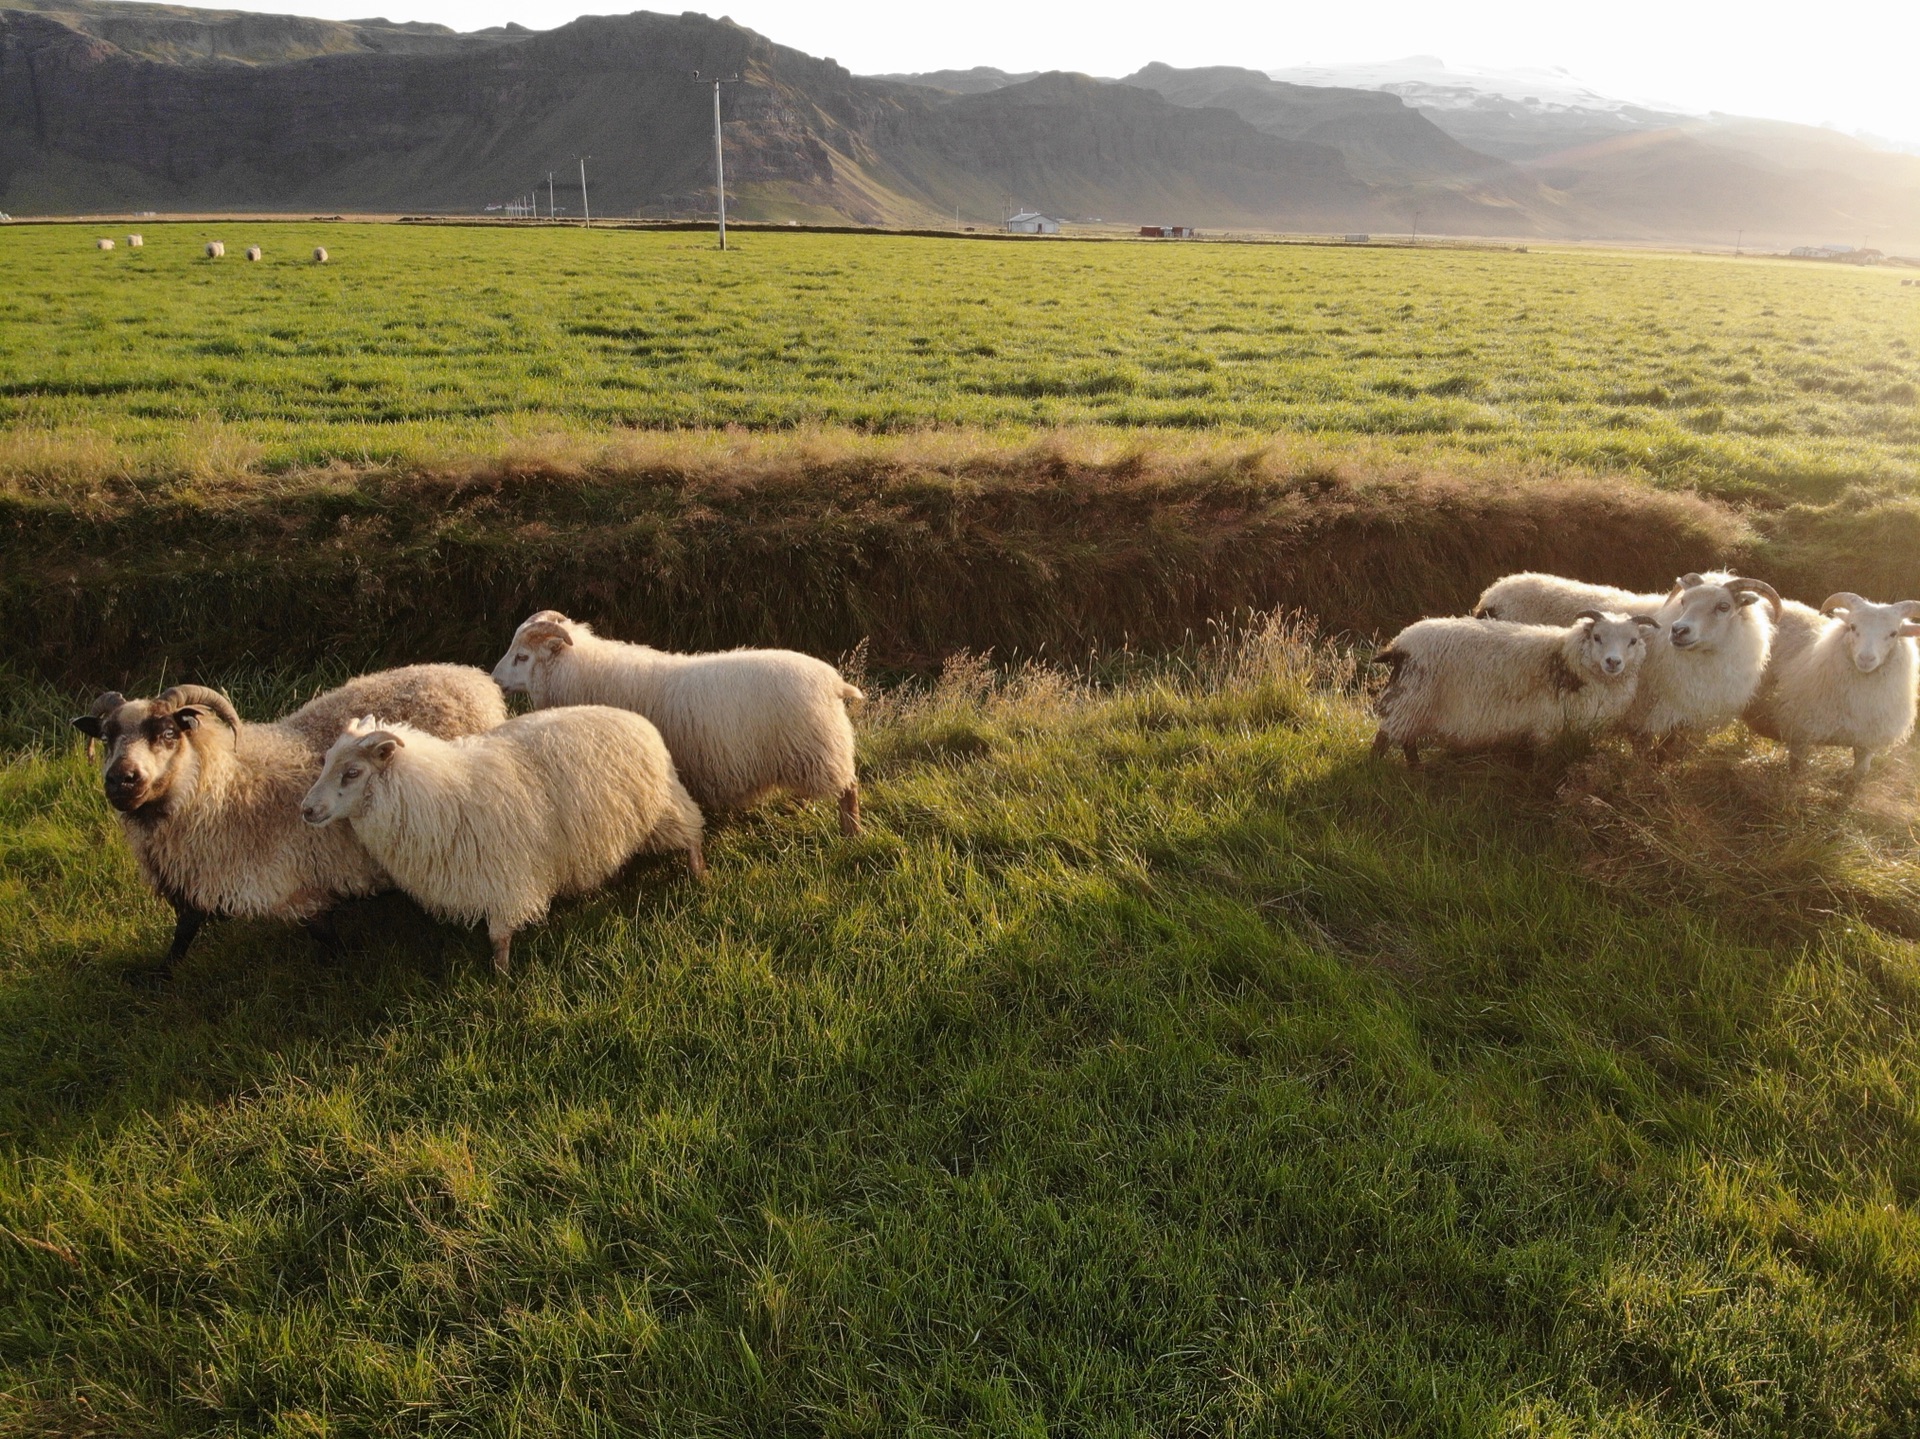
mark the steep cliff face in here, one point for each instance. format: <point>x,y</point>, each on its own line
<point>463,120</point>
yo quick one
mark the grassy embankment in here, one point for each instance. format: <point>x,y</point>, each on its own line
<point>1156,1063</point>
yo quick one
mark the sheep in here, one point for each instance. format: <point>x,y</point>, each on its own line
<point>741,724</point>
<point>319,254</point>
<point>1718,642</point>
<point>253,252</point>
<point>103,244</point>
<point>134,242</point>
<point>211,811</point>
<point>215,249</point>
<point>495,825</point>
<point>1845,674</point>
<point>1476,684</point>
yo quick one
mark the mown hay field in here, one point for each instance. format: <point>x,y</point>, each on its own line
<point>1743,377</point>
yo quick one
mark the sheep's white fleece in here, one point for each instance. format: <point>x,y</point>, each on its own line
<point>493,826</point>
<point>1813,694</point>
<point>741,724</point>
<point>1471,683</point>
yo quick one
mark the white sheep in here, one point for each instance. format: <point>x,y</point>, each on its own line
<point>103,244</point>
<point>741,724</point>
<point>134,242</point>
<point>1846,674</point>
<point>495,825</point>
<point>1717,641</point>
<point>319,254</point>
<point>216,249</point>
<point>211,810</point>
<point>253,252</point>
<point>1478,684</point>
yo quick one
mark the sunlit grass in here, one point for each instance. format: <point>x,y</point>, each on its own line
<point>1156,1063</point>
<point>415,341</point>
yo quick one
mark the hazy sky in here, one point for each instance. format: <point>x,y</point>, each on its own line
<point>1853,65</point>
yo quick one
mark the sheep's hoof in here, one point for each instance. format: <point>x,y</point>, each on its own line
<point>500,948</point>
<point>850,810</point>
<point>1412,752</point>
<point>697,863</point>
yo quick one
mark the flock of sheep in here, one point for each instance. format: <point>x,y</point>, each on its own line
<point>216,249</point>
<point>416,778</point>
<point>1541,656</point>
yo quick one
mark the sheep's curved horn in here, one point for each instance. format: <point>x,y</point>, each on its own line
<point>1595,615</point>
<point>1840,600</point>
<point>1759,587</point>
<point>545,630</point>
<point>174,696</point>
<point>107,704</point>
<point>552,616</point>
<point>1647,620</point>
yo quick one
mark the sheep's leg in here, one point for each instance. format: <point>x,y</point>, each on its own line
<point>1381,744</point>
<point>502,942</point>
<point>696,861</point>
<point>850,809</point>
<point>1862,765</point>
<point>1412,752</point>
<point>1796,761</point>
<point>186,924</point>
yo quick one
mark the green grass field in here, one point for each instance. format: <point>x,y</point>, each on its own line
<point>1739,376</point>
<point>1156,1064</point>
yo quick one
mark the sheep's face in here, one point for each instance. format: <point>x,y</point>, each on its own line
<point>1614,646</point>
<point>1701,613</point>
<point>363,751</point>
<point>536,644</point>
<point>151,760</point>
<point>1871,632</point>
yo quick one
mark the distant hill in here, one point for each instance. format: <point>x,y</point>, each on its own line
<point>114,105</point>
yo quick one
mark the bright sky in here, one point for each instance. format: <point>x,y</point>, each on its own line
<point>1852,65</point>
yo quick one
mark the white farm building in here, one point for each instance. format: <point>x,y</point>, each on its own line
<point>1032,222</point>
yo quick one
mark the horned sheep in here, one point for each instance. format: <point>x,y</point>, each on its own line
<point>211,810</point>
<point>740,724</point>
<point>1845,674</point>
<point>1477,684</point>
<point>494,826</point>
<point>1716,641</point>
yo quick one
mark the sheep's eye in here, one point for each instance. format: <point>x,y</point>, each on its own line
<point>1722,607</point>
<point>351,772</point>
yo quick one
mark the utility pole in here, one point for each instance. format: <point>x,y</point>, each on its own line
<point>1737,240</point>
<point>551,212</point>
<point>585,211</point>
<point>719,156</point>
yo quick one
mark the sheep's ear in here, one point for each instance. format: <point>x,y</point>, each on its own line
<point>188,717</point>
<point>1748,597</point>
<point>1679,589</point>
<point>380,748</point>
<point>90,726</point>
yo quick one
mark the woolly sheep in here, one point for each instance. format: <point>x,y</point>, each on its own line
<point>215,249</point>
<point>1718,639</point>
<point>1476,684</point>
<point>319,254</point>
<point>1845,674</point>
<point>211,810</point>
<point>134,242</point>
<point>495,825</point>
<point>103,244</point>
<point>253,252</point>
<point>740,724</point>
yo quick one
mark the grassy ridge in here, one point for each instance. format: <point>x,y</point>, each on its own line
<point>916,546</point>
<point>1156,1064</point>
<point>1745,378</point>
